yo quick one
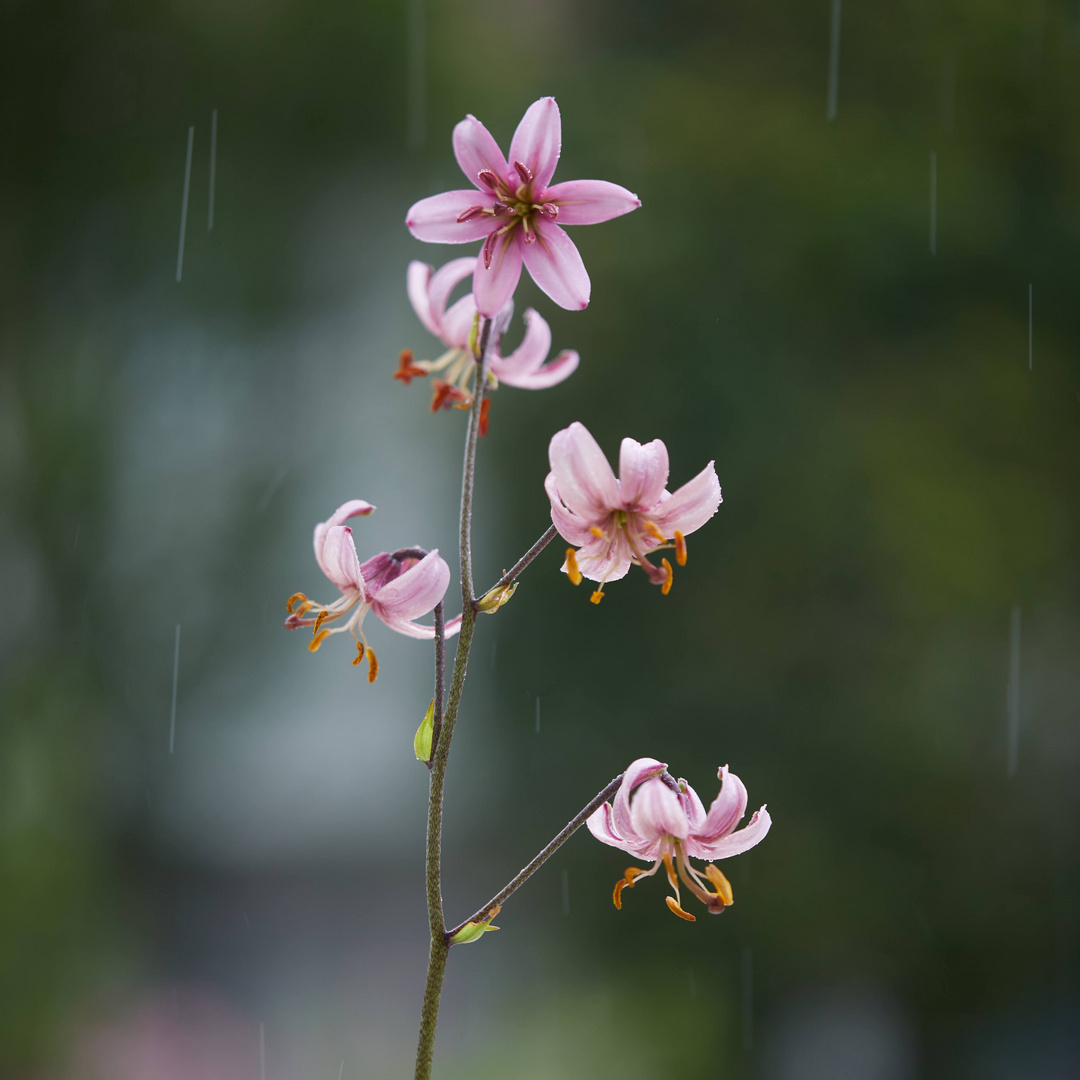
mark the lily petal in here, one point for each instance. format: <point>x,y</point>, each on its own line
<point>494,285</point>
<point>726,811</point>
<point>538,141</point>
<point>338,560</point>
<point>350,509</point>
<point>588,202</point>
<point>476,149</point>
<point>638,772</point>
<point>555,264</point>
<point>734,843</point>
<point>643,472</point>
<point>692,806</point>
<point>457,323</point>
<point>655,812</point>
<point>413,593</point>
<point>605,558</point>
<point>583,476</point>
<point>573,529</point>
<point>435,219</point>
<point>443,282</point>
<point>531,353</point>
<point>691,505</point>
<point>419,630</point>
<point>562,367</point>
<point>416,285</point>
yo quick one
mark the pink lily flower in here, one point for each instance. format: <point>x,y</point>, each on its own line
<point>667,822</point>
<point>429,290</point>
<point>616,522</point>
<point>397,587</point>
<point>518,213</point>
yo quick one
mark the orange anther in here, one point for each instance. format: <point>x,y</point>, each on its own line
<point>572,571</point>
<point>317,640</point>
<point>446,395</point>
<point>616,896</point>
<point>407,370</point>
<point>596,531</point>
<point>359,653</point>
<point>372,666</point>
<point>485,409</point>
<point>680,548</point>
<point>292,600</point>
<point>323,616</point>
<point>654,532</point>
<point>666,587</point>
<point>632,873</point>
<point>720,884</point>
<point>673,905</point>
<point>304,608</point>
<point>597,596</point>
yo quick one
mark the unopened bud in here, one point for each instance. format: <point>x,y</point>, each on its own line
<point>473,930</point>
<point>422,739</point>
<point>494,599</point>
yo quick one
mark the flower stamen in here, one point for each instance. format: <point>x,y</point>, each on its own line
<point>654,532</point>
<point>317,640</point>
<point>373,665</point>
<point>572,571</point>
<point>296,596</point>
<point>665,588</point>
<point>673,904</point>
<point>359,653</point>
<point>680,548</point>
<point>596,531</point>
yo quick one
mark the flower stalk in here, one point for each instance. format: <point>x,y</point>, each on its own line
<point>442,735</point>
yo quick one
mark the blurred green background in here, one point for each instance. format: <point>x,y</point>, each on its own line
<point>899,532</point>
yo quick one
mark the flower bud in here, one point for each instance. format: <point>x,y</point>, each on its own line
<point>422,739</point>
<point>473,930</point>
<point>494,599</point>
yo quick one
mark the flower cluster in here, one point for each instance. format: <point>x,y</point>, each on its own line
<point>610,522</point>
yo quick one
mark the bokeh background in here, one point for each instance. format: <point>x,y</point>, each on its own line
<point>879,631</point>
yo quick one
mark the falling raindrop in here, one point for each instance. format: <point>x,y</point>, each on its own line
<point>213,169</point>
<point>417,74</point>
<point>1013,747</point>
<point>834,61</point>
<point>184,203</point>
<point>933,202</point>
<point>341,1070</point>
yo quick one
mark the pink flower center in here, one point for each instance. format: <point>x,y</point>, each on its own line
<point>513,205</point>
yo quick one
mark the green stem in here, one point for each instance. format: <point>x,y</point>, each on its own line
<point>429,1015</point>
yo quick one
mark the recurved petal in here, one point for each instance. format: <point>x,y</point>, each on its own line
<point>643,472</point>
<point>583,476</point>
<point>416,285</point>
<point>562,367</point>
<point>494,285</point>
<point>655,812</point>
<point>443,282</point>
<point>538,140</point>
<point>692,806</point>
<point>419,630</point>
<point>413,593</point>
<point>691,506</point>
<point>338,560</point>
<point>457,322</point>
<point>599,823</point>
<point>530,354</point>
<point>734,843</point>
<point>352,508</point>
<point>726,811</point>
<point>476,149</point>
<point>588,202</point>
<point>555,264</point>
<point>637,772</point>
<point>435,219</point>
<point>572,529</point>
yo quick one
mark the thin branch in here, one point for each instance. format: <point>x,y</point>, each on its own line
<point>527,872</point>
<point>515,571</point>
